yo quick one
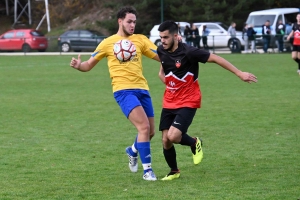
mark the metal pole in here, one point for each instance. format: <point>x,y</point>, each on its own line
<point>47,14</point>
<point>16,20</point>
<point>22,7</point>
<point>16,10</point>
<point>29,12</point>
<point>213,44</point>
<point>161,11</point>
<point>37,28</point>
<point>7,9</point>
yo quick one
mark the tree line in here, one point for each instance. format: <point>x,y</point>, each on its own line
<point>149,11</point>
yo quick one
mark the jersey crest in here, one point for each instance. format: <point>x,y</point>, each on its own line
<point>177,63</point>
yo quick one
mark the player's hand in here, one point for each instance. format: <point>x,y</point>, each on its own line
<point>75,63</point>
<point>247,77</point>
<point>179,37</point>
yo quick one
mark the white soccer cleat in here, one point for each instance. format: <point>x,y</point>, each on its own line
<point>133,161</point>
<point>149,176</point>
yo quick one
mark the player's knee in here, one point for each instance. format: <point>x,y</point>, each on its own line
<point>165,141</point>
<point>294,56</point>
<point>152,133</point>
<point>174,138</point>
<point>167,144</point>
<point>144,128</point>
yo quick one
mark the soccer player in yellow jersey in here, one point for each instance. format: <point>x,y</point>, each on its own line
<point>130,87</point>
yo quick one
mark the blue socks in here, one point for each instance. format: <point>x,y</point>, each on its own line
<point>145,155</point>
<point>133,150</point>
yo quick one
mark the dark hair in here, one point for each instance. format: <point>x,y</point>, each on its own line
<point>171,26</point>
<point>125,10</point>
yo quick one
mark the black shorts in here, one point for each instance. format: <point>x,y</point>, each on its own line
<point>180,118</point>
<point>296,48</point>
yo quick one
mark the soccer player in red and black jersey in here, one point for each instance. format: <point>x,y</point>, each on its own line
<point>179,71</point>
<point>296,43</point>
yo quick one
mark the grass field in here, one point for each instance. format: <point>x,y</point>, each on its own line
<point>62,135</point>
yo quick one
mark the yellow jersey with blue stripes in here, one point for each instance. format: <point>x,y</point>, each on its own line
<point>126,75</point>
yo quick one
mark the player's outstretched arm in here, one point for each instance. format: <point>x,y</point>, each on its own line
<point>83,66</point>
<point>161,74</point>
<point>290,35</point>
<point>156,58</point>
<point>244,76</point>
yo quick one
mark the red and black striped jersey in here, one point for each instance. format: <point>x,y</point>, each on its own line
<point>181,69</point>
<point>296,29</point>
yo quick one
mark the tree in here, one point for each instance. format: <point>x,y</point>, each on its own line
<point>63,12</point>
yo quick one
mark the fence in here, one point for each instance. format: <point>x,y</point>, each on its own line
<point>216,44</point>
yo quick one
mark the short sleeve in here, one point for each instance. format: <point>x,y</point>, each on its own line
<point>149,49</point>
<point>100,53</point>
<point>198,55</point>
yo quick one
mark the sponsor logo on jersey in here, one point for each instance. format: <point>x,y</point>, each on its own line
<point>172,83</point>
<point>177,63</point>
<point>135,59</point>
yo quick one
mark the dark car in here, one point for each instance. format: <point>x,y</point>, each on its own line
<point>23,39</point>
<point>78,40</point>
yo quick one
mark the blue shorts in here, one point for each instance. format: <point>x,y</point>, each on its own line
<point>131,98</point>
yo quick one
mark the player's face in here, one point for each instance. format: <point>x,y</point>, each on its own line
<point>298,18</point>
<point>128,24</point>
<point>168,40</point>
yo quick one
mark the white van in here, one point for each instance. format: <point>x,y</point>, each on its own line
<point>258,18</point>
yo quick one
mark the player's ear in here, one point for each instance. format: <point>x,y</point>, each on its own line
<point>119,21</point>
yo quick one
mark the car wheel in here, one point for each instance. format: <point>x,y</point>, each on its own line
<point>157,43</point>
<point>65,47</point>
<point>239,45</point>
<point>26,48</point>
<point>230,44</point>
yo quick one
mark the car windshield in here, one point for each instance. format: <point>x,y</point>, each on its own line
<point>224,26</point>
<point>96,33</point>
<point>259,20</point>
<point>36,33</point>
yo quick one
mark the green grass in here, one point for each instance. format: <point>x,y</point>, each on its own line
<point>62,135</point>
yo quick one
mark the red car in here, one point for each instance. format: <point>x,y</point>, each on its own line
<point>23,39</point>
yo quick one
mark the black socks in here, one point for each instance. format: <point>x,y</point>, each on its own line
<point>170,156</point>
<point>187,140</point>
<point>297,60</point>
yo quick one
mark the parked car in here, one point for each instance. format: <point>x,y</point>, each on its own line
<point>78,40</point>
<point>23,39</point>
<point>154,33</point>
<point>219,36</point>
